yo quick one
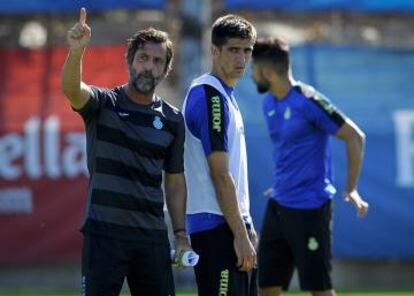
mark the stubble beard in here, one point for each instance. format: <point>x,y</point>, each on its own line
<point>144,82</point>
<point>262,88</point>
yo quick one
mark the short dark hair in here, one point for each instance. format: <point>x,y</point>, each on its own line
<point>231,26</point>
<point>149,35</point>
<point>274,51</point>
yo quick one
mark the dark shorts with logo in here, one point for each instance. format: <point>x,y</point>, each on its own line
<point>216,272</point>
<point>107,262</point>
<point>296,238</point>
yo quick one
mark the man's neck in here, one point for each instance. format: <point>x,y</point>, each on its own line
<point>280,88</point>
<point>220,74</point>
<point>138,97</point>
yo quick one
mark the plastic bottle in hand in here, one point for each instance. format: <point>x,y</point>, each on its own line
<point>184,259</point>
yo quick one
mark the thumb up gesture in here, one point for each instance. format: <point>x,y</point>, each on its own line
<point>79,35</point>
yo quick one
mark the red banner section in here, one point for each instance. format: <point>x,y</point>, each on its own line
<point>43,175</point>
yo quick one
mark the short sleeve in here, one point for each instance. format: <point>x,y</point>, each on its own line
<point>324,115</point>
<point>97,99</point>
<point>207,118</point>
<point>174,160</point>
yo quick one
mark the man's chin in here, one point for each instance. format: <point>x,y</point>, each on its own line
<point>237,75</point>
<point>143,90</point>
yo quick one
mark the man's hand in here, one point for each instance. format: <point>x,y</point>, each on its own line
<point>246,254</point>
<point>361,205</point>
<point>182,243</point>
<point>79,35</point>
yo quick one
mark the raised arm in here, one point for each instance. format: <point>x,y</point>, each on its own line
<point>78,38</point>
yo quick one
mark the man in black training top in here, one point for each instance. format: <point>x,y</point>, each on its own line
<point>132,137</point>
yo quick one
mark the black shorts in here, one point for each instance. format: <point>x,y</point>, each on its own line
<point>298,238</point>
<point>107,262</point>
<point>216,272</point>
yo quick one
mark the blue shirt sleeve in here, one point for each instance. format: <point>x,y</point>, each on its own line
<point>324,114</point>
<point>207,118</point>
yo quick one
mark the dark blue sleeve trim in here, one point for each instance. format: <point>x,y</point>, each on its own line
<point>216,119</point>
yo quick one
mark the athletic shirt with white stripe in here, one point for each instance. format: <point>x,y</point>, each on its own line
<point>213,123</point>
<point>129,145</point>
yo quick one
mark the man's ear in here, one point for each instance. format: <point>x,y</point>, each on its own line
<point>214,50</point>
<point>267,72</point>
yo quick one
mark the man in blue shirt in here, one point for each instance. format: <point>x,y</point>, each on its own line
<point>296,228</point>
<point>218,216</point>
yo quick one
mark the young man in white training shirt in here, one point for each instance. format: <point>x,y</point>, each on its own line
<point>218,216</point>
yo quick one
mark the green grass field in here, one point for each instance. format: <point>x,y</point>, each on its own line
<point>66,293</point>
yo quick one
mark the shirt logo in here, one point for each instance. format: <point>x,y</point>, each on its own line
<point>224,283</point>
<point>123,114</point>
<point>83,286</point>
<point>216,113</point>
<point>157,123</point>
<point>287,113</point>
<point>271,113</point>
<point>313,244</point>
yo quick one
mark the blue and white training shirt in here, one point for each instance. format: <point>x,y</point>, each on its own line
<point>300,125</point>
<point>213,123</point>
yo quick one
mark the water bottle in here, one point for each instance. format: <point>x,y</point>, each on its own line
<point>184,259</point>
